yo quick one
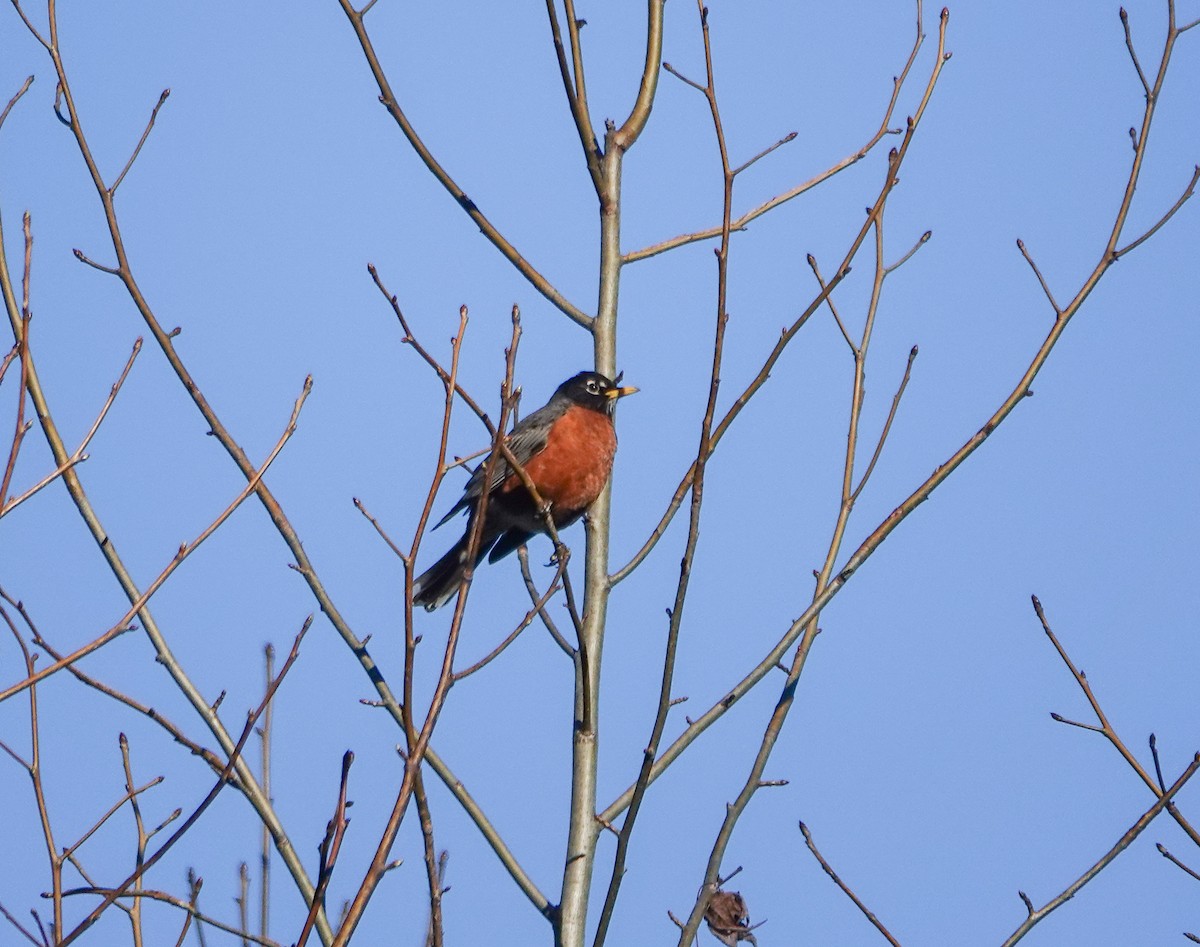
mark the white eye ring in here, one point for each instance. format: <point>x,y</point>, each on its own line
<point>593,387</point>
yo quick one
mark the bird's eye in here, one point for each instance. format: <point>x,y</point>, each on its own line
<point>593,388</point>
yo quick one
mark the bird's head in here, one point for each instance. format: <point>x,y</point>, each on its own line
<point>593,390</point>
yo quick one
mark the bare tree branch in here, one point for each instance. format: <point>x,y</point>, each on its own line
<point>1039,914</point>
<point>828,869</point>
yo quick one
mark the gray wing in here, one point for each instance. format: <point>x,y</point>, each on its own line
<point>526,441</point>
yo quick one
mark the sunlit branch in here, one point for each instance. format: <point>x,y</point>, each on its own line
<point>828,869</point>
<point>78,456</point>
<point>411,339</point>
<point>222,781</point>
<point>185,550</point>
<point>141,141</point>
<point>1037,915</point>
<point>1106,729</point>
<point>489,230</point>
<point>851,159</point>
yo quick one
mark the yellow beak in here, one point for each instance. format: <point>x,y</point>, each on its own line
<point>619,392</point>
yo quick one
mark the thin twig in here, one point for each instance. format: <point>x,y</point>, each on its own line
<point>266,734</point>
<point>411,340</point>
<point>222,781</point>
<point>358,505</point>
<point>188,907</point>
<point>1041,279</point>
<point>921,241</point>
<point>535,596</point>
<point>78,456</point>
<point>1132,52</point>
<point>790,136</point>
<point>141,141</point>
<point>1175,861</point>
<point>538,606</point>
<point>1037,915</point>
<point>887,425</point>
<point>851,159</point>
<point>185,550</point>
<point>489,230</point>
<point>17,924</point>
<point>812,263</point>
<point>1183,198</point>
<point>867,912</point>
<point>331,845</point>
<point>1106,729</point>
<point>13,101</point>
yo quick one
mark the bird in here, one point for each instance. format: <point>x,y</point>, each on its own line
<point>566,448</point>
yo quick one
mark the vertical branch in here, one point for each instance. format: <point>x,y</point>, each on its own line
<point>22,348</point>
<point>434,866</point>
<point>34,768</point>
<point>265,734</point>
<point>135,909</point>
<point>583,828</point>
<point>703,452</point>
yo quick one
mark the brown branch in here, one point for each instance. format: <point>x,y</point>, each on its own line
<point>141,141</point>
<point>1132,52</point>
<point>266,733</point>
<point>576,90</point>
<point>400,554</point>
<point>1037,915</point>
<point>538,606</point>
<point>1175,861</point>
<point>921,241</point>
<point>536,596</point>
<point>489,230</point>
<point>411,339</point>
<point>188,907</point>
<point>828,869</point>
<point>851,159</point>
<point>34,770</point>
<point>16,98</point>
<point>331,846</point>
<point>434,867</point>
<point>222,781</point>
<point>22,342</point>
<point>812,263</point>
<point>790,136</point>
<point>1041,279</point>
<point>624,137</point>
<point>1183,198</point>
<point>185,550</point>
<point>141,840</point>
<point>1106,729</point>
<point>131,794</point>
<point>78,456</point>
<point>17,924</point>
<point>176,733</point>
<point>887,425</point>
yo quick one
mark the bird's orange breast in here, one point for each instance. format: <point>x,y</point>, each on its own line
<point>571,470</point>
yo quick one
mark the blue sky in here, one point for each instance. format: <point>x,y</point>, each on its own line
<point>920,751</point>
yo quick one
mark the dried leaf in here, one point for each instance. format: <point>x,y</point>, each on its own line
<point>728,918</point>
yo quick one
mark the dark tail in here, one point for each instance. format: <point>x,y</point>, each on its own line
<point>439,583</point>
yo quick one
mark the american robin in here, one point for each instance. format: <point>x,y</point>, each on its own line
<point>567,450</point>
